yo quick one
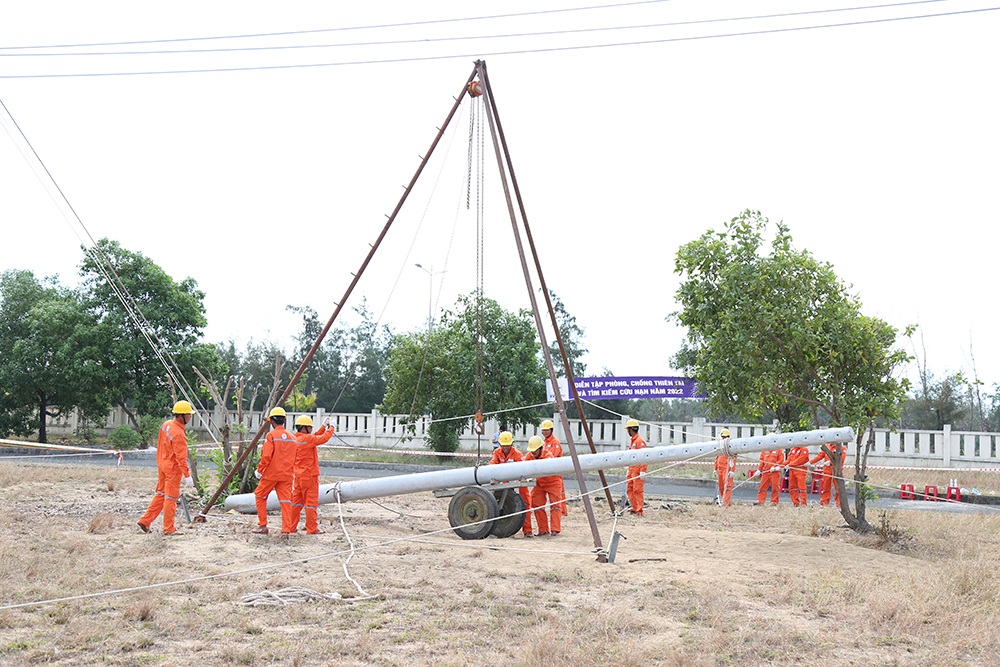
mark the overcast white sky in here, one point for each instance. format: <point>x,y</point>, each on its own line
<point>877,143</point>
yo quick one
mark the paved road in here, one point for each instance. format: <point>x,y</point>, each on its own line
<point>656,487</point>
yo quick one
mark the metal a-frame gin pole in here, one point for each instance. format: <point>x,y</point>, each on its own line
<point>503,161</point>
<point>340,304</point>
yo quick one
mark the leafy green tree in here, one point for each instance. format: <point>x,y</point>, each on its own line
<point>173,316</point>
<point>776,328</point>
<point>937,402</point>
<point>435,372</point>
<point>256,366</point>
<point>49,355</point>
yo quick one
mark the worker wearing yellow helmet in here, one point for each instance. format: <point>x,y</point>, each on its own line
<point>275,472</point>
<point>725,471</point>
<point>552,444</point>
<point>635,488</point>
<point>546,493</point>
<point>506,452</point>
<point>305,475</point>
<point>172,469</point>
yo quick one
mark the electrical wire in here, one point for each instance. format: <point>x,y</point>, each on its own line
<point>430,40</point>
<point>453,56</point>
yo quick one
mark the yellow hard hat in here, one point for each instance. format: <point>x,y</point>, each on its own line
<point>534,443</point>
<point>276,412</point>
<point>183,408</point>
<point>724,433</point>
<point>632,423</point>
<point>546,424</point>
<point>506,438</point>
<point>303,421</point>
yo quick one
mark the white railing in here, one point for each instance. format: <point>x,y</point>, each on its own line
<point>905,448</point>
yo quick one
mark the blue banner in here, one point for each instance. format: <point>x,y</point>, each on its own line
<point>617,388</point>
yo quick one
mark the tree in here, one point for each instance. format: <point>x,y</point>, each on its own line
<point>49,355</point>
<point>435,372</point>
<point>775,328</point>
<point>173,316</point>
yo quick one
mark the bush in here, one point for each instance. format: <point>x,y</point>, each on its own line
<point>124,437</point>
<point>443,437</point>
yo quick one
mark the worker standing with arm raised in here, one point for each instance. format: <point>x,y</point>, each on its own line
<point>305,475</point>
<point>275,472</point>
<point>172,469</point>
<point>636,485</point>
<point>546,491</point>
<point>504,453</point>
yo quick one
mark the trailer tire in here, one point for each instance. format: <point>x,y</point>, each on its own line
<point>471,513</point>
<point>511,513</point>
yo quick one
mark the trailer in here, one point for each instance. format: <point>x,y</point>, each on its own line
<point>488,504</point>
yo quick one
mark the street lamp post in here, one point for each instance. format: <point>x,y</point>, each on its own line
<point>430,292</point>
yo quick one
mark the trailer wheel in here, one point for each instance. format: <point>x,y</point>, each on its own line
<point>511,513</point>
<point>471,512</point>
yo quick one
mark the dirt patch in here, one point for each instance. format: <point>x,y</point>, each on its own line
<point>692,585</point>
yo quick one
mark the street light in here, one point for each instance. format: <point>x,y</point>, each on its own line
<point>430,294</point>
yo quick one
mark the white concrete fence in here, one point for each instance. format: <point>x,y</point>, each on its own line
<point>905,448</point>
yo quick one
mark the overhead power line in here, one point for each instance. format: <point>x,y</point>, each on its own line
<point>428,40</point>
<point>344,29</point>
<point>453,56</point>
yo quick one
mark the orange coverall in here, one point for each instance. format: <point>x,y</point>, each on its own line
<point>547,490</point>
<point>771,461</point>
<point>826,476</point>
<point>171,466</point>
<point>515,455</point>
<point>553,445</point>
<point>635,488</point>
<point>725,470</point>
<point>798,458</point>
<point>305,478</point>
<point>276,468</point>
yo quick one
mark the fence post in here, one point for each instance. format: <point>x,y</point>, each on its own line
<point>623,434</point>
<point>374,427</point>
<point>698,428</point>
<point>947,445</point>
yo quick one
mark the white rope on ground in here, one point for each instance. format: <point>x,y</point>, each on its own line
<point>363,595</point>
<point>286,596</point>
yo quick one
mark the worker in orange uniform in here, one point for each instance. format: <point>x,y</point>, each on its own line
<point>823,466</point>
<point>506,452</point>
<point>172,469</point>
<point>635,487</point>
<point>725,472</point>
<point>275,472</point>
<point>546,491</point>
<point>769,469</point>
<point>796,462</point>
<point>305,474</point>
<point>552,444</point>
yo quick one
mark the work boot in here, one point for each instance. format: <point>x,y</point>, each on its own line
<point>143,527</point>
<point>528,535</point>
<point>318,531</point>
<point>283,536</point>
<point>260,530</point>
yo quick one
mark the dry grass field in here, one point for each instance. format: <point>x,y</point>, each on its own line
<point>692,585</point>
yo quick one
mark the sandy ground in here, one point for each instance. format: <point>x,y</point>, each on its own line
<point>692,584</point>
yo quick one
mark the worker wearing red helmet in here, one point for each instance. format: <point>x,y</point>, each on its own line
<point>506,452</point>
<point>546,491</point>
<point>552,445</point>
<point>636,484</point>
<point>275,472</point>
<point>172,469</point>
<point>725,472</point>
<point>305,474</point>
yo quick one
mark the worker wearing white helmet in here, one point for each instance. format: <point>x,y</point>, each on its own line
<point>636,485</point>
<point>725,470</point>
<point>172,469</point>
